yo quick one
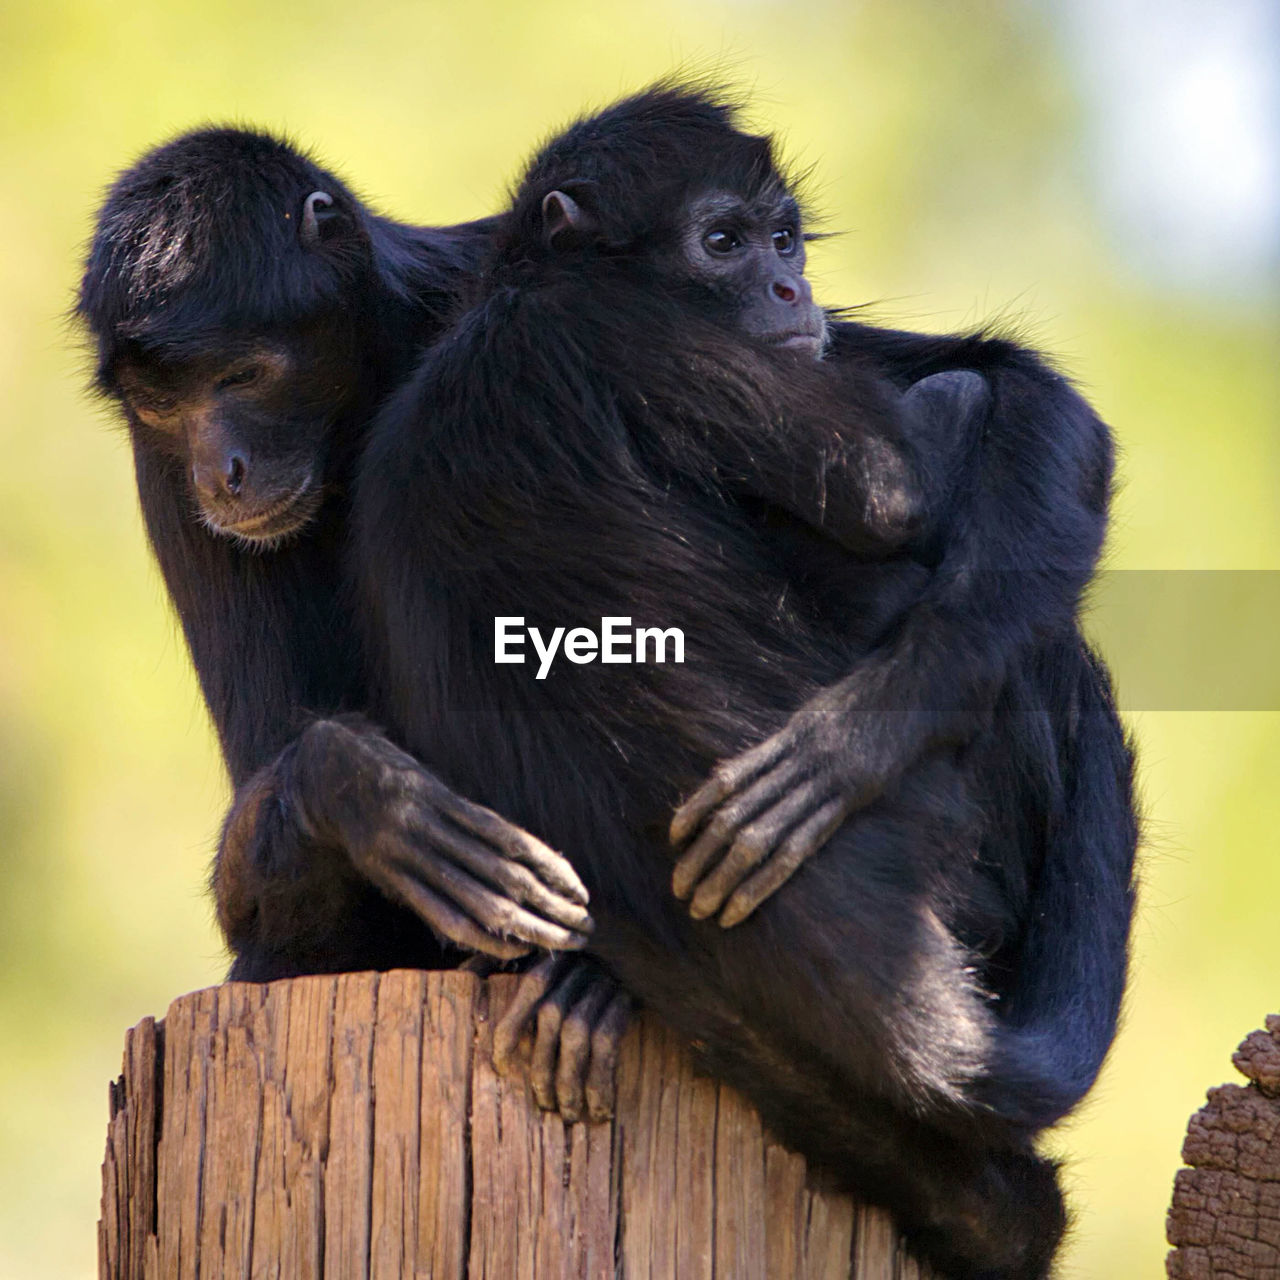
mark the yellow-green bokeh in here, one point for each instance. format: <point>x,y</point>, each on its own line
<point>948,141</point>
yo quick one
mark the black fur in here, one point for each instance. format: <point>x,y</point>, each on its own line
<point>943,979</point>
<point>197,246</point>
<point>798,1006</point>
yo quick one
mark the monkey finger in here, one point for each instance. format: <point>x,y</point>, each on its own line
<point>606,1041</point>
<point>552,868</point>
<point>446,919</point>
<point>794,851</point>
<point>495,913</point>
<point>512,879</point>
<point>546,1037</point>
<point>727,777</point>
<point>546,1045</point>
<point>753,845</point>
<point>530,992</point>
<point>695,860</point>
<point>575,1048</point>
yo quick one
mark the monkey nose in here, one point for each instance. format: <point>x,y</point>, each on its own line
<point>222,478</point>
<point>785,292</point>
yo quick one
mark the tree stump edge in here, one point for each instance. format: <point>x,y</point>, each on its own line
<point>353,1125</point>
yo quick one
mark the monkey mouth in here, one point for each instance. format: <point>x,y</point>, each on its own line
<point>809,344</point>
<point>270,525</point>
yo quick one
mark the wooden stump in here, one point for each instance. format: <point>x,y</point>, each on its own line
<point>353,1126</point>
<point>1224,1222</point>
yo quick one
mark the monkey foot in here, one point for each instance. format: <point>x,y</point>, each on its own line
<point>578,1015</point>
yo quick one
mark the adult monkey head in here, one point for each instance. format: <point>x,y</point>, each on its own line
<point>723,229</point>
<point>231,290</point>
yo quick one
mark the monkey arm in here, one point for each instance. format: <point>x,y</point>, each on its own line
<point>330,822</point>
<point>342,810</point>
<point>1015,538</point>
<point>863,490</point>
<point>843,449</point>
<point>266,632</point>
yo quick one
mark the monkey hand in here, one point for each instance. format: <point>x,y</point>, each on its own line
<point>578,1014</point>
<point>476,879</point>
<point>762,814</point>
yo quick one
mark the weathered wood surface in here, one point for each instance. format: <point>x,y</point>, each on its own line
<point>353,1126</point>
<point>1224,1222</point>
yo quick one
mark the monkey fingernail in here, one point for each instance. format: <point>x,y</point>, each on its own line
<point>700,908</point>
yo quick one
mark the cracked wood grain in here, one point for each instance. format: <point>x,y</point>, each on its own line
<point>352,1126</point>
<point>1224,1222</point>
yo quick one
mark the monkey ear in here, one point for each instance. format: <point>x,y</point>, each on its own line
<point>565,223</point>
<point>321,217</point>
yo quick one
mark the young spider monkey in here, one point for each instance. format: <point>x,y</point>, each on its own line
<point>838,463</point>
<point>629,420</point>
<point>844,455</point>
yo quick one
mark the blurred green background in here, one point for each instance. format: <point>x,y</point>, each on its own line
<point>1100,175</point>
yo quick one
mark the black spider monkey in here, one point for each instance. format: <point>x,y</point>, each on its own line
<point>249,314</point>
<point>628,420</point>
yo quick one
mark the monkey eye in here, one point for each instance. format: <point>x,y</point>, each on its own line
<point>784,241</point>
<point>721,241</point>
<point>241,378</point>
<point>152,403</point>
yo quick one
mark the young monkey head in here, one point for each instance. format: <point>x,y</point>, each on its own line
<point>665,184</point>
